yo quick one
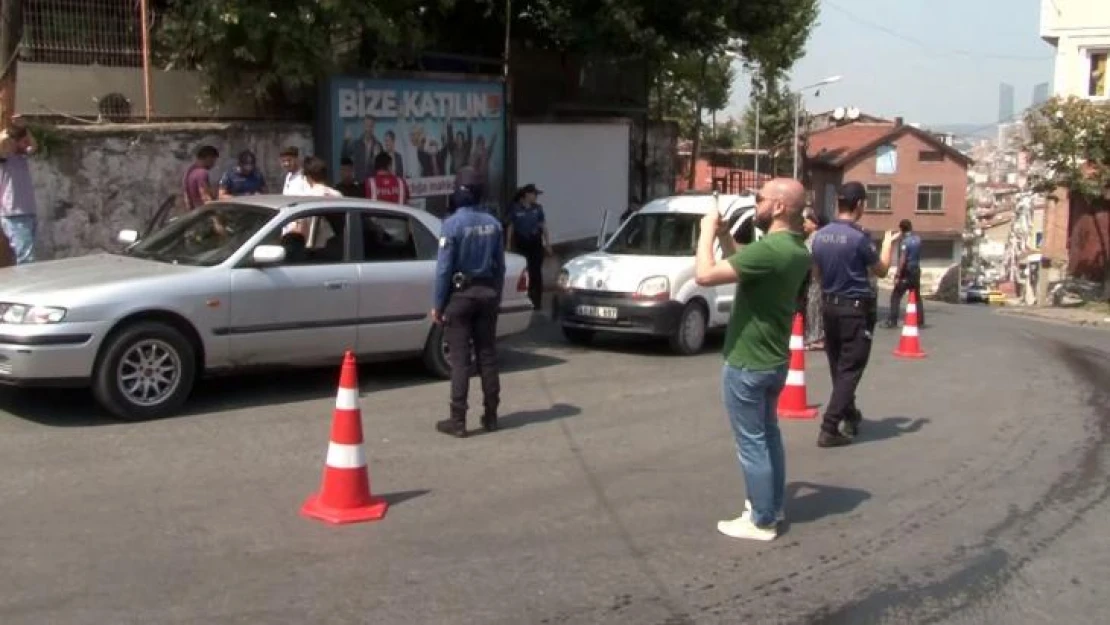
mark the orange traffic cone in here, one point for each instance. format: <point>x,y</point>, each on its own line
<point>909,346</point>
<point>344,496</point>
<point>793,403</point>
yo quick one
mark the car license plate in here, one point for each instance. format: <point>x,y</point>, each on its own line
<point>600,312</point>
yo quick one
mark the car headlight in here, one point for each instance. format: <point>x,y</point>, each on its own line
<point>22,313</point>
<point>655,287</point>
<point>564,280</point>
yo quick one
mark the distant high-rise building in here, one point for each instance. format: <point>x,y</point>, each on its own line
<point>1005,102</point>
<point>1040,94</point>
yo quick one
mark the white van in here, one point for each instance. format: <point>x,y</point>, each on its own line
<point>641,281</point>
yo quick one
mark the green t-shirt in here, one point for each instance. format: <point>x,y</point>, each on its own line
<point>771,273</point>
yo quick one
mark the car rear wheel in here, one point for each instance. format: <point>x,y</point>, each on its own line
<point>437,358</point>
<point>689,336</point>
<point>145,371</point>
<point>578,336</point>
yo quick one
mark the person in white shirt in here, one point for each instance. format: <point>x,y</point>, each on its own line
<point>315,177</point>
<point>295,183</point>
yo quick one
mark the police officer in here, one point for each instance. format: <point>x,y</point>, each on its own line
<point>845,261</point>
<point>528,236</point>
<point>908,276</point>
<point>470,273</point>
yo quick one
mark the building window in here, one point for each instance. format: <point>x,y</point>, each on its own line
<point>930,199</point>
<point>886,160</point>
<point>878,198</point>
<point>930,156</point>
<point>1097,83</point>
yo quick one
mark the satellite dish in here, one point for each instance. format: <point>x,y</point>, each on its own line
<point>853,113</point>
<point>839,113</point>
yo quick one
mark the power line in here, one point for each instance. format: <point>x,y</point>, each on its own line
<point>930,47</point>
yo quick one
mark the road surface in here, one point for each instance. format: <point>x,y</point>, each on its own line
<point>977,494</point>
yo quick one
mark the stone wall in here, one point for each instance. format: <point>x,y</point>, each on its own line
<point>93,181</point>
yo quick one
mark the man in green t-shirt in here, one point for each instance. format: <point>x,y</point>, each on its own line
<point>768,276</point>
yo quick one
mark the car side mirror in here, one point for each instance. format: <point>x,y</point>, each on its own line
<point>127,237</point>
<point>265,255</point>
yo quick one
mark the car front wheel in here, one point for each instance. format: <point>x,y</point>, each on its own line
<point>145,371</point>
<point>437,359</point>
<point>689,337</point>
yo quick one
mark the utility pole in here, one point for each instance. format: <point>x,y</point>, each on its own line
<point>11,32</point>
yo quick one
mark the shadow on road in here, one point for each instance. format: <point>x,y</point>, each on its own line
<point>807,502</point>
<point>76,407</point>
<point>402,496</point>
<point>532,417</point>
<point>890,427</point>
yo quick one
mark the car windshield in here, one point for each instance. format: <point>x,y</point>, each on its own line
<point>657,234</point>
<point>204,237</point>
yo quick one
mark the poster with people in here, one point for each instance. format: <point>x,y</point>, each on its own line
<point>438,133</point>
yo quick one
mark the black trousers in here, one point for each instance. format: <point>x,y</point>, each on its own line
<point>471,315</point>
<point>909,282</point>
<point>533,253</point>
<point>849,327</point>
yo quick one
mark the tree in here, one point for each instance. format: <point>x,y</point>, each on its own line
<point>275,49</point>
<point>1070,138</point>
<point>776,119</point>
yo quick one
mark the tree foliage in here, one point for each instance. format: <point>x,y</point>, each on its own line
<point>273,49</point>
<point>776,118</point>
<point>1071,139</point>
<point>688,82</point>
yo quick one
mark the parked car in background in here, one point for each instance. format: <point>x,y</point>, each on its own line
<point>231,287</point>
<point>642,279</point>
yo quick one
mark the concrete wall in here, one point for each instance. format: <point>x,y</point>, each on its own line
<point>92,181</point>
<point>1077,28</point>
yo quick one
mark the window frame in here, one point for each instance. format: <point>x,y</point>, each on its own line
<point>1088,73</point>
<point>927,188</point>
<point>278,226</point>
<point>880,152</point>
<point>935,156</point>
<point>414,225</point>
<point>873,208</point>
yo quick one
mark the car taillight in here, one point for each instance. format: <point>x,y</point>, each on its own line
<point>522,282</point>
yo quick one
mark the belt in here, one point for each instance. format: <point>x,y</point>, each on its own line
<point>841,300</point>
<point>462,281</point>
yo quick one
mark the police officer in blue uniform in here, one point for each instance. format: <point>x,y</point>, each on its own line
<point>845,260</point>
<point>470,274</point>
<point>528,236</point>
<point>908,276</point>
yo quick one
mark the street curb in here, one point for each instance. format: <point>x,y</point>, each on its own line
<point>1026,314</point>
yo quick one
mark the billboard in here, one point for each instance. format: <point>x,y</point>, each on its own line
<point>439,132</point>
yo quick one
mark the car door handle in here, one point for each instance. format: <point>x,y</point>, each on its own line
<point>335,285</point>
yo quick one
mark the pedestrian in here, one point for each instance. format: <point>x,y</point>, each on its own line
<point>768,274</point>
<point>243,179</point>
<point>385,185</point>
<point>815,326</point>
<point>529,237</point>
<point>348,184</point>
<point>845,260</point>
<point>294,176</point>
<point>315,172</point>
<point>908,275</point>
<point>470,275</point>
<point>196,183</point>
<point>18,209</point>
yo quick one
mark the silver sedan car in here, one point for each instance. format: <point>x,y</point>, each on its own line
<point>260,281</point>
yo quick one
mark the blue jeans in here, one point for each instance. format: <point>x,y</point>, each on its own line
<point>20,230</point>
<point>751,399</point>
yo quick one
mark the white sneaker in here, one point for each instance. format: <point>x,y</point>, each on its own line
<point>780,516</point>
<point>743,527</point>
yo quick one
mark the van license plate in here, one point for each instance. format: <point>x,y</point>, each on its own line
<point>600,312</point>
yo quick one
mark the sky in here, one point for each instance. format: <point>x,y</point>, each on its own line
<point>928,61</point>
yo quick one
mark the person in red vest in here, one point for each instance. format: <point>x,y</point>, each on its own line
<point>384,185</point>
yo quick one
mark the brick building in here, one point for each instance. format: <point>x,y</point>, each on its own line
<point>910,174</point>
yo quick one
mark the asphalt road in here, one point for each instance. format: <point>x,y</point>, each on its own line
<point>977,494</point>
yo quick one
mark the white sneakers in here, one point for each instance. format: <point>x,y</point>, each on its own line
<point>743,527</point>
